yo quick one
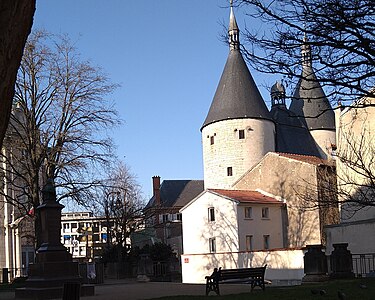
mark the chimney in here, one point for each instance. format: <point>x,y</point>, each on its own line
<point>156,188</point>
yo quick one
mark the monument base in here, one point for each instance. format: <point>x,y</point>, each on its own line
<point>46,280</point>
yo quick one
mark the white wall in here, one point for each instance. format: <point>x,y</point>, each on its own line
<point>283,266</point>
<point>197,229</point>
<point>359,235</point>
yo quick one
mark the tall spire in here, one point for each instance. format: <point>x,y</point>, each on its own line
<point>309,100</point>
<point>233,31</point>
<point>237,96</point>
<point>306,55</point>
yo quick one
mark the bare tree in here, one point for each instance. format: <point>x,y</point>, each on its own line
<point>16,18</point>
<point>339,32</point>
<point>58,128</point>
<point>350,182</point>
<point>121,202</point>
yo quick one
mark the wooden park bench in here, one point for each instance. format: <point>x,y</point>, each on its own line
<point>254,276</point>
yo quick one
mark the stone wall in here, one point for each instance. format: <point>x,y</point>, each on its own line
<point>228,150</point>
<point>296,183</point>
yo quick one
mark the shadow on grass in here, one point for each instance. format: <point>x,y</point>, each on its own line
<point>361,289</point>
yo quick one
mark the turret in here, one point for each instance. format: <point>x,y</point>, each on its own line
<point>292,136</point>
<point>311,104</point>
<point>238,130</point>
<point>277,94</point>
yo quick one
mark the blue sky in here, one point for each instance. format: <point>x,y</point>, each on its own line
<point>168,57</point>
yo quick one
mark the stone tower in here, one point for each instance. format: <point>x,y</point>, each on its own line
<point>310,103</point>
<point>238,130</point>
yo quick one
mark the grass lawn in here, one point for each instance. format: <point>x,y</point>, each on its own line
<point>361,289</point>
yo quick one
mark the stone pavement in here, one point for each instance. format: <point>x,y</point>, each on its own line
<point>133,290</point>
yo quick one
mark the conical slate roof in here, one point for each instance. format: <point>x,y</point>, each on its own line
<point>236,96</point>
<point>309,100</point>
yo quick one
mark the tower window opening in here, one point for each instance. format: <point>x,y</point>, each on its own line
<point>241,134</point>
<point>212,140</point>
<point>229,171</point>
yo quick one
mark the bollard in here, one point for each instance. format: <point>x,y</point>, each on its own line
<point>5,275</point>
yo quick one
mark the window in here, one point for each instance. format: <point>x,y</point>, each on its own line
<point>241,134</point>
<point>212,139</point>
<point>266,242</point>
<point>229,171</point>
<point>165,218</point>
<point>179,217</point>
<point>265,213</point>
<point>211,214</point>
<point>212,242</point>
<point>249,243</point>
<point>248,212</point>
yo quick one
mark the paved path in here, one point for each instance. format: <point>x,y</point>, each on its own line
<point>132,290</point>
<point>149,290</point>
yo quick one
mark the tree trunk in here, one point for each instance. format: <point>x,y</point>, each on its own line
<point>16,18</point>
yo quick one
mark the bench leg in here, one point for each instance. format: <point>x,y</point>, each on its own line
<point>212,286</point>
<point>217,289</point>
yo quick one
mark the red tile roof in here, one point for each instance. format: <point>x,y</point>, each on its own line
<point>305,158</point>
<point>247,196</point>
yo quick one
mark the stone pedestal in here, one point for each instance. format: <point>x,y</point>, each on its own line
<point>315,264</point>
<point>341,262</point>
<point>54,265</point>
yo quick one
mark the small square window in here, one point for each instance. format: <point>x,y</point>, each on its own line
<point>212,139</point>
<point>241,134</point>
<point>211,214</point>
<point>212,242</point>
<point>229,171</point>
<point>265,213</point>
<point>266,242</point>
<point>249,243</point>
<point>248,212</point>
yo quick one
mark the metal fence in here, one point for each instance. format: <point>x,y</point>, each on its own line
<point>364,265</point>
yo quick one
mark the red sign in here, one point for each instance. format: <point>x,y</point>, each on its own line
<point>186,260</point>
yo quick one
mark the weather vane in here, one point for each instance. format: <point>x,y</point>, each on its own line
<point>231,2</point>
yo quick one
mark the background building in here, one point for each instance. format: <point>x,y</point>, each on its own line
<point>84,235</point>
